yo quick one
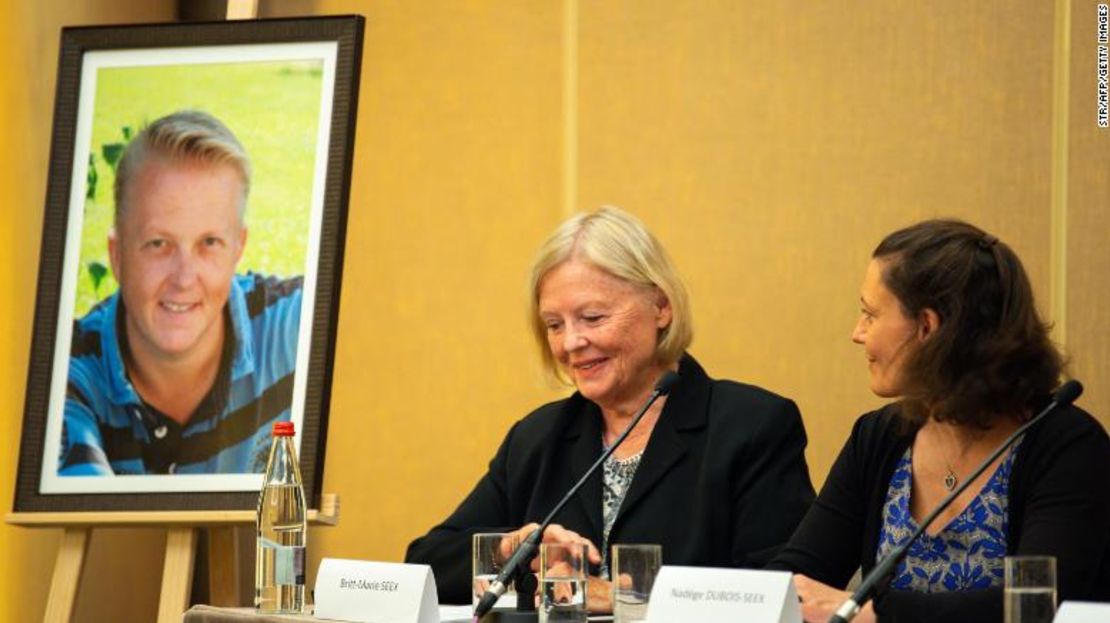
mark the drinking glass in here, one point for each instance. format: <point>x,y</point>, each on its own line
<point>563,583</point>
<point>634,569</point>
<point>490,551</point>
<point>1030,590</point>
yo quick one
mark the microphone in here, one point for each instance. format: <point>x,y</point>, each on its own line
<point>527,549</point>
<point>1065,395</point>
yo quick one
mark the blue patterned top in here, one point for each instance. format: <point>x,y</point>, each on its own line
<point>967,554</point>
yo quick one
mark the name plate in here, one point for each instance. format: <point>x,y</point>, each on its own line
<point>710,595</point>
<point>375,592</point>
<point>1082,612</point>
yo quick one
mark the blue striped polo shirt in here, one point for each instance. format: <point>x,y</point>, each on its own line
<point>109,429</point>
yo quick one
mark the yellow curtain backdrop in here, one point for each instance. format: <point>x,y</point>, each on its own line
<point>769,147</point>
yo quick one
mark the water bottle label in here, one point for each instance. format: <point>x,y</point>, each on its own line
<point>289,564</point>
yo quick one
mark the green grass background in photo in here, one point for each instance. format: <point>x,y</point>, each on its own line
<point>272,107</point>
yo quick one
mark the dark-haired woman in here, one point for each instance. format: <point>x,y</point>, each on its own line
<point>948,325</point>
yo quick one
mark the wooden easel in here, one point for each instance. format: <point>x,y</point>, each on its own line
<point>181,527</point>
<point>177,569</point>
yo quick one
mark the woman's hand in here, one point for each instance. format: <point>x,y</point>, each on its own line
<point>599,595</point>
<point>820,601</point>
<point>554,534</point>
<point>598,591</point>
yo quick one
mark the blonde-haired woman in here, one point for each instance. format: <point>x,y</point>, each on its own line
<point>715,471</point>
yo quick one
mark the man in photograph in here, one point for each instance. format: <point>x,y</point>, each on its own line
<point>185,368</point>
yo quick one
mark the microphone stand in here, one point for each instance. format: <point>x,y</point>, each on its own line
<point>517,566</point>
<point>1067,394</point>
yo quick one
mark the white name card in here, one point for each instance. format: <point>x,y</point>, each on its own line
<point>711,595</point>
<point>1082,612</point>
<point>375,592</point>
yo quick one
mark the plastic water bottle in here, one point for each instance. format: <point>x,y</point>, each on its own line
<point>281,530</point>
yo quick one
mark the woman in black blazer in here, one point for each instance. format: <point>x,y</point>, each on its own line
<point>948,324</point>
<point>715,472</point>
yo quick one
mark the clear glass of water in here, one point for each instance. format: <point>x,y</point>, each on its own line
<point>1030,589</point>
<point>563,583</point>
<point>634,568</point>
<point>489,553</point>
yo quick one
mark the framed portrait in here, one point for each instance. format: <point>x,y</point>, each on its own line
<point>191,261</point>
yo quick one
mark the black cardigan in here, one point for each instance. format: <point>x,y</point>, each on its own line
<point>723,481</point>
<point>1059,504</point>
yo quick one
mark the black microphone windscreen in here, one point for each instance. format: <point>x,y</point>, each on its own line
<point>1068,392</point>
<point>667,382</point>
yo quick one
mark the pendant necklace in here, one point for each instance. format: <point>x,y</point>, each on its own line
<point>950,479</point>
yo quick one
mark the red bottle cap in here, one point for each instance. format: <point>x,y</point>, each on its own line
<point>283,429</point>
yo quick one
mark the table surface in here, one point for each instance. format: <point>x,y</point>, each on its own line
<point>211,614</point>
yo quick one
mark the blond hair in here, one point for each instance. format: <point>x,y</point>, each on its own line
<point>619,244</point>
<point>184,135</point>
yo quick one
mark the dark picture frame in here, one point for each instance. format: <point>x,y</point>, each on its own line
<point>37,489</point>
